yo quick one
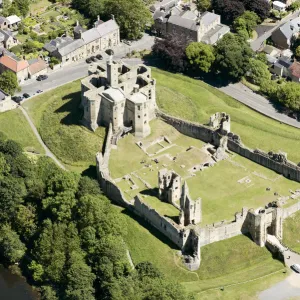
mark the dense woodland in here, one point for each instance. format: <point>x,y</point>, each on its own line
<point>66,236</point>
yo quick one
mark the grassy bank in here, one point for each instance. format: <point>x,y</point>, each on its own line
<point>232,261</point>
<point>194,100</point>
<point>14,125</point>
<point>291,229</point>
<point>57,116</point>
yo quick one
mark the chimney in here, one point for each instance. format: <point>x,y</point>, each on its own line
<point>98,18</point>
<point>80,34</point>
<point>77,23</point>
<point>112,17</point>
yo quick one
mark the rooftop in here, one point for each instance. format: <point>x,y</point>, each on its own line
<point>12,64</point>
<point>295,69</point>
<point>13,19</point>
<point>290,27</point>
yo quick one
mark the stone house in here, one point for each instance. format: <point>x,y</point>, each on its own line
<point>285,34</point>
<point>37,67</point>
<point>3,23</point>
<point>206,28</point>
<point>281,67</point>
<point>294,70</point>
<point>5,102</point>
<point>17,66</point>
<point>86,43</point>
<point>7,39</point>
<point>13,22</point>
<point>118,94</point>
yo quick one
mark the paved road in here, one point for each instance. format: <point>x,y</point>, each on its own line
<point>288,288</point>
<point>243,94</point>
<point>35,131</point>
<point>256,44</point>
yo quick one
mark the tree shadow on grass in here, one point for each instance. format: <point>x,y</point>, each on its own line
<point>91,172</point>
<point>150,228</point>
<point>71,105</point>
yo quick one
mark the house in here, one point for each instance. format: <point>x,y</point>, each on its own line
<point>17,66</point>
<point>285,34</point>
<point>206,28</point>
<point>5,102</point>
<point>281,67</point>
<point>277,5</point>
<point>13,22</point>
<point>87,42</point>
<point>3,23</point>
<point>37,67</point>
<point>7,39</point>
<point>294,70</point>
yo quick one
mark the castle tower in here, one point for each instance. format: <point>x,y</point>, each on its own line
<point>191,211</point>
<point>112,73</point>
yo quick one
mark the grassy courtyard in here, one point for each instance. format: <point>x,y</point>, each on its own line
<point>233,261</point>
<point>224,188</point>
<point>57,117</point>
<point>14,125</point>
<point>291,229</point>
<point>194,100</point>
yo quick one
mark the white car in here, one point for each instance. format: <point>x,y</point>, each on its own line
<point>296,268</point>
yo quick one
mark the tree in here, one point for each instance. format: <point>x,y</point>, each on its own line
<point>295,5</point>
<point>88,186</point>
<point>9,82</point>
<point>79,278</point>
<point>200,55</point>
<point>37,271</point>
<point>132,16</point>
<point>232,56</point>
<point>262,57</point>
<point>22,6</point>
<point>228,9</point>
<point>297,52</point>
<point>260,7</point>
<point>289,95</point>
<point>203,5</point>
<point>247,21</point>
<point>171,50</point>
<point>11,248</point>
<point>258,71</point>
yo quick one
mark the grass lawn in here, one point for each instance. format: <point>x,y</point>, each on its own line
<point>227,262</point>
<point>194,100</point>
<point>221,187</point>
<point>291,229</point>
<point>57,116</point>
<point>38,6</point>
<point>14,125</point>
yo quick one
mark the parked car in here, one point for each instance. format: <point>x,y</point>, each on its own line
<point>88,60</point>
<point>94,59</point>
<point>41,77</point>
<point>99,56</point>
<point>17,99</point>
<point>296,268</point>
<point>26,95</point>
<point>39,91</point>
<point>127,42</point>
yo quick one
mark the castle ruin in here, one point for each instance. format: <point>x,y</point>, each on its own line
<point>119,94</point>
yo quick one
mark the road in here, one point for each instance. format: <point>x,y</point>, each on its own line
<point>257,102</point>
<point>35,131</point>
<point>256,44</point>
<point>288,288</point>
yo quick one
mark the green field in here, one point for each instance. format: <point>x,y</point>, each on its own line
<point>224,188</point>
<point>232,261</point>
<point>57,116</point>
<point>194,100</point>
<point>14,125</point>
<point>291,229</point>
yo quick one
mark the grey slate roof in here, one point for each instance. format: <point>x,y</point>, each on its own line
<point>214,34</point>
<point>285,62</point>
<point>6,34</point>
<point>79,28</point>
<point>90,35</point>
<point>3,19</point>
<point>188,15</point>
<point>186,23</point>
<point>290,28</point>
<point>74,45</point>
<point>57,43</point>
<point>207,18</point>
<point>107,27</point>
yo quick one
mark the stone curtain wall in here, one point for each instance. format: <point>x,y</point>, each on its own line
<point>170,229</point>
<point>287,212</point>
<point>289,169</point>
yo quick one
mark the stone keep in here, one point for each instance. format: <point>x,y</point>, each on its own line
<point>119,94</point>
<point>190,211</point>
<point>169,184</point>
<point>220,121</point>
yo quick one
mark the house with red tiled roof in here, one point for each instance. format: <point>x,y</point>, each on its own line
<point>18,66</point>
<point>295,71</point>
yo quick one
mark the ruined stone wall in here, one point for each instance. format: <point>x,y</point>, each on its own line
<point>166,226</point>
<point>287,212</point>
<point>288,169</point>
